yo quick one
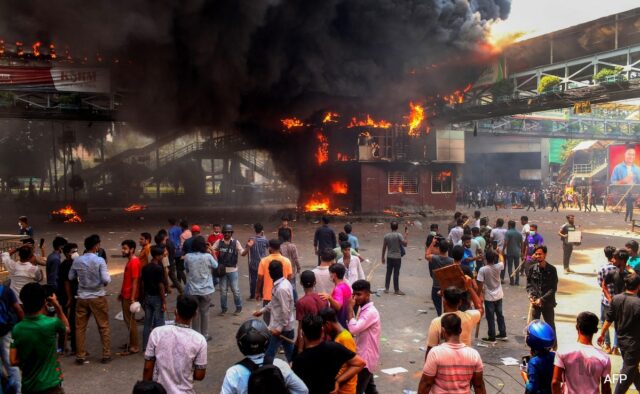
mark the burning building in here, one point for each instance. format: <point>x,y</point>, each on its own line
<point>370,165</point>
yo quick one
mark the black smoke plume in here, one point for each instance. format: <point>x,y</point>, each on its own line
<point>243,65</point>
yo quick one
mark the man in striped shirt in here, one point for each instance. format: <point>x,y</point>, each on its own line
<point>452,367</point>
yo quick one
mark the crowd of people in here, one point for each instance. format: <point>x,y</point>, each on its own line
<point>330,333</point>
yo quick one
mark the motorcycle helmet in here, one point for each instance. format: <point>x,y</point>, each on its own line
<point>227,228</point>
<point>253,337</point>
<point>540,335</point>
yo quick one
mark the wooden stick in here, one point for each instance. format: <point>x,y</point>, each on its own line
<point>291,341</point>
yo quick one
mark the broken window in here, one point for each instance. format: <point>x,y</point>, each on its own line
<point>442,182</point>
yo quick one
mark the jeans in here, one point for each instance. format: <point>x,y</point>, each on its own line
<point>512,264</point>
<point>630,369</point>
<point>132,327</point>
<point>173,276</point>
<point>153,317</point>
<point>276,342</point>
<point>437,300</point>
<point>293,285</point>
<point>567,249</point>
<point>491,308</point>
<point>366,385</point>
<point>548,314</point>
<point>230,280</point>
<point>607,337</point>
<point>266,316</point>
<point>200,322</point>
<point>393,266</point>
<point>253,280</point>
<point>628,211</point>
<point>71,316</point>
<point>14,377</point>
<point>99,307</point>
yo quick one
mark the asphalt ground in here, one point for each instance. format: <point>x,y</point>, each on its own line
<point>405,319</point>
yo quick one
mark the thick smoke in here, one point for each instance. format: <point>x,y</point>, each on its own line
<point>244,64</point>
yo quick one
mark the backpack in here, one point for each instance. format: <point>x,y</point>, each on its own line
<point>8,316</point>
<point>264,379</point>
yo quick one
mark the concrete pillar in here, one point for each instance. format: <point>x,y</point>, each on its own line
<point>544,161</point>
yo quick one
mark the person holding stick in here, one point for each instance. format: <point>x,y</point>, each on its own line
<point>542,284</point>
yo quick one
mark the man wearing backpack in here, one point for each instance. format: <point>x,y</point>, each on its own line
<point>10,313</point>
<point>256,374</point>
<point>228,250</point>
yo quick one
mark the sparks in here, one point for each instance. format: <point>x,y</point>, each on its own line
<point>290,123</point>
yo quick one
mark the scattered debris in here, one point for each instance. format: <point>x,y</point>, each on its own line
<point>394,371</point>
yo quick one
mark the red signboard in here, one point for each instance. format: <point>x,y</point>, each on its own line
<point>55,79</point>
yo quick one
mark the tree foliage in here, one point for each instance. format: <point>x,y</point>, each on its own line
<point>547,83</point>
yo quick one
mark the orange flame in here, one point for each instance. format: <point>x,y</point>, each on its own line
<point>330,117</point>
<point>416,116</point>
<point>70,215</point>
<point>342,157</point>
<point>317,202</point>
<point>290,123</point>
<point>457,97</point>
<point>19,48</point>
<point>383,124</point>
<point>36,48</point>
<point>339,187</point>
<point>321,203</point>
<point>442,175</point>
<point>322,153</point>
<point>1,47</point>
<point>52,51</point>
<point>135,208</point>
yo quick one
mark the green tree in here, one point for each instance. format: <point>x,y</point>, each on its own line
<point>547,83</point>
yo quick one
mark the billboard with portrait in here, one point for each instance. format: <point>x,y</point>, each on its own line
<point>624,164</point>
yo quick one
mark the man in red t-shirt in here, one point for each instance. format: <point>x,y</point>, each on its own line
<point>215,236</point>
<point>129,294</point>
<point>309,303</point>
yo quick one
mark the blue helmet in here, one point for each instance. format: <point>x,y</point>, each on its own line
<point>540,335</point>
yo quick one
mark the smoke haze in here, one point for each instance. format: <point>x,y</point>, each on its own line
<point>244,64</point>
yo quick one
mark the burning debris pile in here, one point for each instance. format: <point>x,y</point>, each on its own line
<point>135,208</point>
<point>276,71</point>
<point>66,214</point>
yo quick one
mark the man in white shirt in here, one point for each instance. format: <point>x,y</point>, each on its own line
<point>324,284</point>
<point>497,234</point>
<point>176,355</point>
<point>489,285</point>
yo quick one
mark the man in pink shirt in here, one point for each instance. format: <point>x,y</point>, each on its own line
<point>341,294</point>
<point>366,328</point>
<point>580,367</point>
<point>451,367</point>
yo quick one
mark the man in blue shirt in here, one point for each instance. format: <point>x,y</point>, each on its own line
<point>93,276</point>
<point>353,240</point>
<point>258,247</point>
<point>54,260</point>
<point>627,172</point>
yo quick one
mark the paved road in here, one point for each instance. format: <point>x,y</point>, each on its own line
<point>403,318</point>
